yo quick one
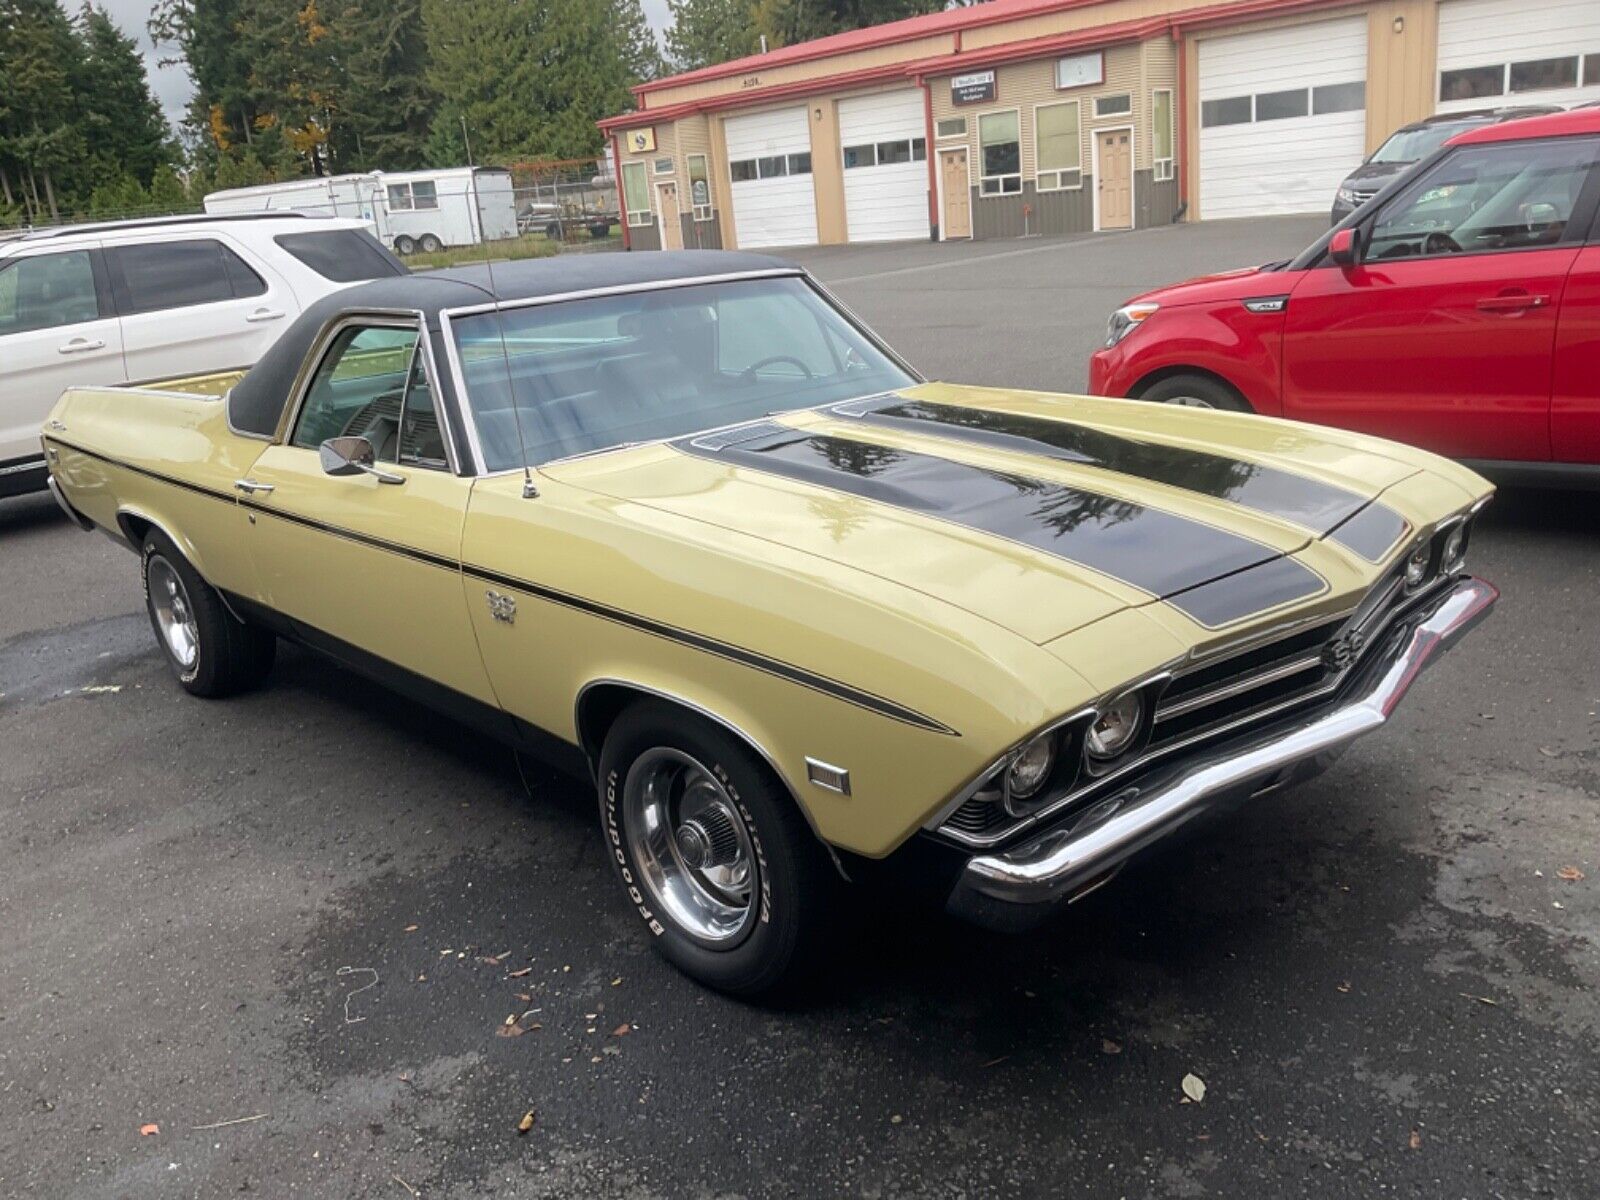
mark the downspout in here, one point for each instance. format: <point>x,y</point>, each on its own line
<point>622,200</point>
<point>1180,125</point>
<point>933,176</point>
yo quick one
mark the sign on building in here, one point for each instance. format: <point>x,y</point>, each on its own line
<point>972,89</point>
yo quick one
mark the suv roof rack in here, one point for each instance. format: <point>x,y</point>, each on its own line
<point>53,231</point>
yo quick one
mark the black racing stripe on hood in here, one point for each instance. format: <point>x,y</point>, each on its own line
<point>1372,532</point>
<point>1268,490</point>
<point>1209,573</point>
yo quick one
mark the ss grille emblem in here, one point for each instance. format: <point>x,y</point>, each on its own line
<point>1341,652</point>
<point>501,608</point>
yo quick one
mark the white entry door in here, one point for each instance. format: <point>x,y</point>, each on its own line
<point>769,162</point>
<point>885,146</point>
<point>1282,117</point>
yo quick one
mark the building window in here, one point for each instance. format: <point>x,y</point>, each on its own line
<point>772,166</point>
<point>742,171</point>
<point>954,127</point>
<point>1235,110</point>
<point>1338,98</point>
<point>1000,144</point>
<point>1591,70</point>
<point>1057,146</point>
<point>1280,106</point>
<point>700,187</point>
<point>1472,83</point>
<point>1113,106</point>
<point>860,156</point>
<point>1544,73</point>
<point>800,164</point>
<point>1161,133</point>
<point>636,193</point>
<point>662,166</point>
<point>421,195</point>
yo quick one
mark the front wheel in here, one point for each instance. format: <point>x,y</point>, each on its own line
<point>211,652</point>
<point>712,852</point>
<point>1195,391</point>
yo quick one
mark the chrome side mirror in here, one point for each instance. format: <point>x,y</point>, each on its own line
<point>353,456</point>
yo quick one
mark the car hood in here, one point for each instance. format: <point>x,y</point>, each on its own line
<point>1241,284</point>
<point>1039,513</point>
<point>1375,174</point>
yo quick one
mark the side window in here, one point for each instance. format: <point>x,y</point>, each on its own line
<point>151,276</point>
<point>342,255</point>
<point>44,291</point>
<point>421,440</point>
<point>360,390</point>
<point>1482,199</point>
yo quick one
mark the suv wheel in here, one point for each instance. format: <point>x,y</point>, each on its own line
<point>1195,391</point>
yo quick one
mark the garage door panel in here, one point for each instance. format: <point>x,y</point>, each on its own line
<point>890,202</point>
<point>779,211</point>
<point>1493,33</point>
<point>1293,164</point>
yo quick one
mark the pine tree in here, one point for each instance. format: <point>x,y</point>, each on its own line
<point>40,142</point>
<point>122,124</point>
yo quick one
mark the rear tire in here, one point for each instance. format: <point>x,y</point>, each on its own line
<point>1195,391</point>
<point>405,244</point>
<point>430,244</point>
<point>713,852</point>
<point>210,651</point>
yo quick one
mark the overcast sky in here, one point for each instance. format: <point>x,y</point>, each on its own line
<point>171,84</point>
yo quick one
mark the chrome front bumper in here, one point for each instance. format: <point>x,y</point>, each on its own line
<point>1023,886</point>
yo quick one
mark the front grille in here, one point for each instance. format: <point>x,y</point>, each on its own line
<point>977,818</point>
<point>1361,196</point>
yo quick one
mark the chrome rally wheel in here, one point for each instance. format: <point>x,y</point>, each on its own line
<point>693,848</point>
<point>173,613</point>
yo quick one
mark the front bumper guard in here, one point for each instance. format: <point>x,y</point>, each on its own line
<point>1019,888</point>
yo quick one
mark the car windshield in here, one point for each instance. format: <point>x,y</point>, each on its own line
<point>1413,145</point>
<point>549,381</point>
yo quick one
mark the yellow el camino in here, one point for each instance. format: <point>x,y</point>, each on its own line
<point>802,619</point>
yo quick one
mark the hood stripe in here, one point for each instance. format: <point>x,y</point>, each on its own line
<point>1318,506</point>
<point>1214,576</point>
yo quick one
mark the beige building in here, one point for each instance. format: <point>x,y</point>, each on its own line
<point>1016,117</point>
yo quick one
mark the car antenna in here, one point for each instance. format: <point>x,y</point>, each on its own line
<point>529,490</point>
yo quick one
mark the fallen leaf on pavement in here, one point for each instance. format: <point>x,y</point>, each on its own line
<point>1480,999</point>
<point>149,1130</point>
<point>524,997</point>
<point>617,982</point>
<point>622,1030</point>
<point>520,973</point>
<point>1416,1140</point>
<point>526,1123</point>
<point>412,928</point>
<point>1194,1087</point>
<point>1107,1046</point>
<point>1570,874</point>
<point>1345,986</point>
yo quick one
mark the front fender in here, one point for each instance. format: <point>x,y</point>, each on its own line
<point>1223,339</point>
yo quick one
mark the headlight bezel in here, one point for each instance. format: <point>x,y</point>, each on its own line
<point>1126,319</point>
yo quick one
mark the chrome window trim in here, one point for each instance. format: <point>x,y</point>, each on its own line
<point>380,318</point>
<point>464,399</point>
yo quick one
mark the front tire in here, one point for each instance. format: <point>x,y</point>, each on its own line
<point>712,852</point>
<point>1195,391</point>
<point>210,651</point>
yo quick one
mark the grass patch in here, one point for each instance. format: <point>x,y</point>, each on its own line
<point>531,246</point>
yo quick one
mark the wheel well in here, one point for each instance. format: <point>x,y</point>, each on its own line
<point>1149,381</point>
<point>134,527</point>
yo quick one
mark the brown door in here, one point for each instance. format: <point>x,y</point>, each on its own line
<point>1115,182</point>
<point>671,226</point>
<point>957,193</point>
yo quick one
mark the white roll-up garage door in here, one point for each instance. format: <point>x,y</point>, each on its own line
<point>885,166</point>
<point>1506,52</point>
<point>1282,117</point>
<point>769,159</point>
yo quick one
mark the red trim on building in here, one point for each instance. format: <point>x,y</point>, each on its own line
<point>1180,119</point>
<point>934,216</point>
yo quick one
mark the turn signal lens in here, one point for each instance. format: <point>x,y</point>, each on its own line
<point>1031,767</point>
<point>1417,565</point>
<point>1455,548</point>
<point>1114,729</point>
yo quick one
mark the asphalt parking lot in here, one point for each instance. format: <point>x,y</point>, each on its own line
<point>285,928</point>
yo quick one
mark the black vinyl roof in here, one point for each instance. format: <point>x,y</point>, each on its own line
<point>257,400</point>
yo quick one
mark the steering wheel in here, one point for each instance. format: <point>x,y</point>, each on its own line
<point>1439,242</point>
<point>749,373</point>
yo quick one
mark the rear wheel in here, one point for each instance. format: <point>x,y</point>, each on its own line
<point>430,244</point>
<point>1195,391</point>
<point>712,851</point>
<point>405,244</point>
<point>210,651</point>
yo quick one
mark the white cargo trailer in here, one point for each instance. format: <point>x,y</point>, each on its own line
<point>408,210</point>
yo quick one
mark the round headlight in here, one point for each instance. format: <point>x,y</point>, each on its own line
<point>1031,767</point>
<point>1114,728</point>
<point>1417,565</point>
<point>1455,548</point>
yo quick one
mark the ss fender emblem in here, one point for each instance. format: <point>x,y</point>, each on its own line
<point>501,608</point>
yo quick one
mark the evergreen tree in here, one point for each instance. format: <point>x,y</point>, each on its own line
<point>122,124</point>
<point>705,32</point>
<point>388,106</point>
<point>41,144</point>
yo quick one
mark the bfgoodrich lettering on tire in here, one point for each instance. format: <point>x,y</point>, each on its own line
<point>711,851</point>
<point>210,651</point>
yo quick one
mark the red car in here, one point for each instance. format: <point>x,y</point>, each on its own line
<point>1458,310</point>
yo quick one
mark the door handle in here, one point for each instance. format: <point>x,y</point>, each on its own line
<point>78,345</point>
<point>265,314</point>
<point>250,487</point>
<point>1517,302</point>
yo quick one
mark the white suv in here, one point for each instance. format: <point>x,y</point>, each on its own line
<point>139,301</point>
